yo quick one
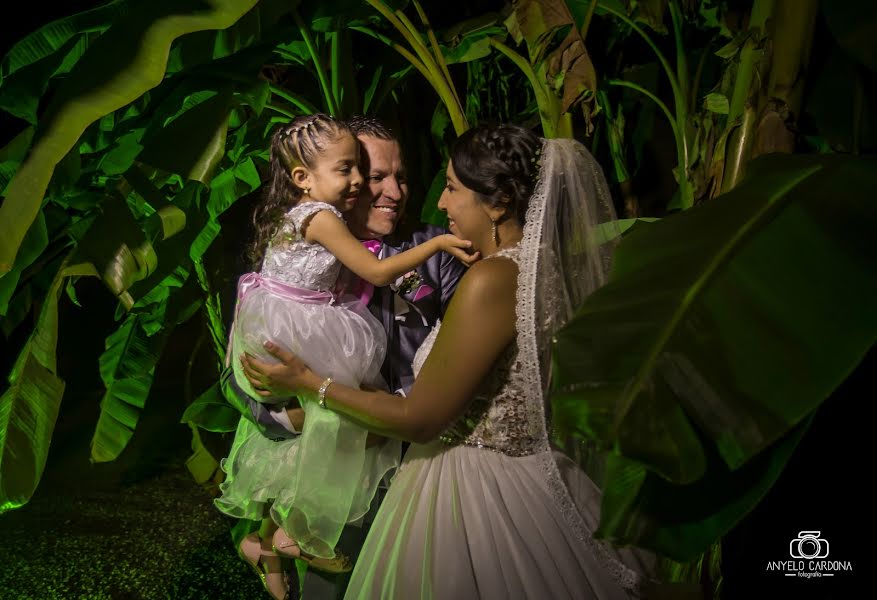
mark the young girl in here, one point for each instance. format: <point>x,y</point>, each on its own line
<point>313,484</point>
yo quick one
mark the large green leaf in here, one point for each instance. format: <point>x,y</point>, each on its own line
<point>123,63</point>
<point>32,246</point>
<point>48,39</point>
<point>212,411</point>
<point>203,466</point>
<point>29,408</point>
<point>12,154</point>
<point>118,248</point>
<point>723,327</point>
<point>682,521</point>
<point>261,23</point>
<point>194,143</point>
<point>127,368</point>
<point>28,411</point>
<point>20,92</point>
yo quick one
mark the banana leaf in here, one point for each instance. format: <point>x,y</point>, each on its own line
<point>203,466</point>
<point>721,331</point>
<point>213,411</point>
<point>32,246</point>
<point>29,407</point>
<point>122,64</point>
<point>127,368</point>
<point>50,51</point>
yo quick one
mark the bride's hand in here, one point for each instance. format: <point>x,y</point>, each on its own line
<point>285,378</point>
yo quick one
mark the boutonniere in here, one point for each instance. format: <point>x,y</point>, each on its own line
<point>411,282</point>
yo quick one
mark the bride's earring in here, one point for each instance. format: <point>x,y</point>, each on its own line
<point>307,191</point>
<point>494,232</point>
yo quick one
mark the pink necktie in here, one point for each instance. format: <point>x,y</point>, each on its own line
<point>366,289</point>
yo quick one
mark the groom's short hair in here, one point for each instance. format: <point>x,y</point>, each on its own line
<point>371,127</point>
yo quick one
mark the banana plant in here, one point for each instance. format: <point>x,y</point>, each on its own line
<point>171,136</point>
<point>425,55</point>
<point>671,369</point>
<point>123,158</point>
<point>560,73</point>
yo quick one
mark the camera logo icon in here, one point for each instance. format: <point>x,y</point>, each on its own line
<point>808,545</point>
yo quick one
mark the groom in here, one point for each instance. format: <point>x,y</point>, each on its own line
<point>408,309</point>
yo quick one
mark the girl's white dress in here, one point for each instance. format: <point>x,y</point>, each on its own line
<point>471,515</point>
<point>315,483</point>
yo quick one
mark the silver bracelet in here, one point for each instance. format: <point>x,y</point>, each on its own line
<point>321,393</point>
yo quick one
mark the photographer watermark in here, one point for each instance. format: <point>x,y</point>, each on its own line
<point>809,553</point>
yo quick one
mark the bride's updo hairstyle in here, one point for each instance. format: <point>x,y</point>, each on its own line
<point>500,164</point>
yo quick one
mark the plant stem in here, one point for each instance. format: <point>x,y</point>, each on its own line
<point>681,59</point>
<point>282,111</point>
<point>651,96</point>
<point>335,71</point>
<point>749,56</point>
<point>586,25</point>
<point>548,109</point>
<point>318,64</point>
<point>671,75</point>
<point>298,102</point>
<point>679,97</point>
<point>695,84</point>
<point>794,22</point>
<point>441,85</point>
<point>425,64</point>
<point>744,107</point>
<point>437,52</point>
<point>415,62</point>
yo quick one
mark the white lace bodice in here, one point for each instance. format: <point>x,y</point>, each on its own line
<point>295,261</point>
<point>497,418</point>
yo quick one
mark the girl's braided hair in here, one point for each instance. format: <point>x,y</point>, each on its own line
<point>297,144</point>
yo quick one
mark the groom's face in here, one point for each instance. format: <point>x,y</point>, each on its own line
<point>384,193</point>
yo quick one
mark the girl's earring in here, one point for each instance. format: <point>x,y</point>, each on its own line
<point>495,232</point>
<point>307,191</point>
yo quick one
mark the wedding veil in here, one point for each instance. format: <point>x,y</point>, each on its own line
<point>562,260</point>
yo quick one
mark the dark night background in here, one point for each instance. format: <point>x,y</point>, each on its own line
<point>139,527</point>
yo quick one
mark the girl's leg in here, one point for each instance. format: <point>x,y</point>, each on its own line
<point>266,531</point>
<point>256,550</point>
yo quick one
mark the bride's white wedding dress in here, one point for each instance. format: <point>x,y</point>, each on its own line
<point>472,515</point>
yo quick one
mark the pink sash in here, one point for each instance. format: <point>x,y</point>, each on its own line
<point>251,281</point>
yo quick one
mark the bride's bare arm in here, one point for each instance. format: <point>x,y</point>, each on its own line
<point>478,326</point>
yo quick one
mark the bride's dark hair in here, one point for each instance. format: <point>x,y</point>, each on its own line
<point>500,164</point>
<point>298,143</point>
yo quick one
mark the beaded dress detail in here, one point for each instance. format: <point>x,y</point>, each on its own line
<point>497,419</point>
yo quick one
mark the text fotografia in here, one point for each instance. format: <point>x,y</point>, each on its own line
<point>809,568</point>
<point>811,552</point>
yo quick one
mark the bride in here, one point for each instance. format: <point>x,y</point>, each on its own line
<point>484,506</point>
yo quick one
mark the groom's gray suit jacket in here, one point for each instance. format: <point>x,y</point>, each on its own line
<point>407,323</point>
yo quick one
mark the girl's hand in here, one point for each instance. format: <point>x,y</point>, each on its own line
<point>285,378</point>
<point>458,248</point>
